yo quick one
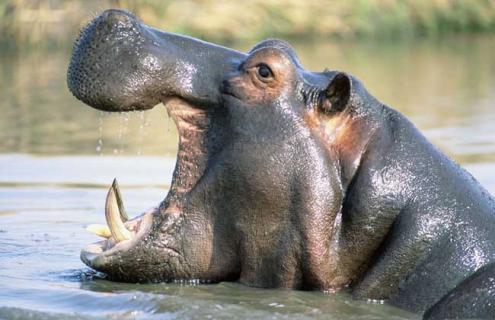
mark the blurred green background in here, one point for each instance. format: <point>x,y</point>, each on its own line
<point>47,22</point>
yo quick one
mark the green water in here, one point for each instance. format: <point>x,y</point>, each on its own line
<point>57,158</point>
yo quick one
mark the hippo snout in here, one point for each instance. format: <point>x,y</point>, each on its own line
<point>121,64</point>
<point>106,69</point>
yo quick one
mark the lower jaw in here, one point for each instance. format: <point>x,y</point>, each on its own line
<point>99,254</point>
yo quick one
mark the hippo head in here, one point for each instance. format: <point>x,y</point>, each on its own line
<point>262,162</point>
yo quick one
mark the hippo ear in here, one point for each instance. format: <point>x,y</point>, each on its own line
<point>337,94</point>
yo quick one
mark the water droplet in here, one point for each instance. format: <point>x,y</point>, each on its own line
<point>99,146</point>
<point>142,128</point>
<point>99,143</point>
<point>123,126</point>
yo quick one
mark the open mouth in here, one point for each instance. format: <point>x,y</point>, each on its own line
<point>119,64</point>
<point>122,234</point>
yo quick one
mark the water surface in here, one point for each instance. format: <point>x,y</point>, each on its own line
<point>57,158</point>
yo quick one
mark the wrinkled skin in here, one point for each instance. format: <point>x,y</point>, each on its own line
<point>284,178</point>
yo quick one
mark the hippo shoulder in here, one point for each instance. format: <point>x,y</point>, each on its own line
<point>473,298</point>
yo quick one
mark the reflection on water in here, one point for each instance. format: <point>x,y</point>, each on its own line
<point>446,88</point>
<point>40,116</point>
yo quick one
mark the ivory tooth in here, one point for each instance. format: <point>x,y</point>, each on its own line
<point>117,228</point>
<point>120,203</point>
<point>100,230</point>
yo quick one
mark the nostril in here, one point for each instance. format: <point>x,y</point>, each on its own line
<point>116,14</point>
<point>117,17</point>
<point>113,27</point>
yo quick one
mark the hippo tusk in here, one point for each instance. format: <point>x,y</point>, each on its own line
<point>120,203</point>
<point>101,230</point>
<point>113,216</point>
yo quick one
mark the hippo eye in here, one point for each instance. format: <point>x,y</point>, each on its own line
<point>264,71</point>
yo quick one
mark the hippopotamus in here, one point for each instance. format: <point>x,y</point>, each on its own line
<point>285,178</point>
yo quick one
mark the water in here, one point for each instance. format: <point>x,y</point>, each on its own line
<point>57,158</point>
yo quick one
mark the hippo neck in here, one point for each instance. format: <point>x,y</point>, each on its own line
<point>352,146</point>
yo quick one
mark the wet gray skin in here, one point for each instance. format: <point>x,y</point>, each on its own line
<point>285,178</point>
